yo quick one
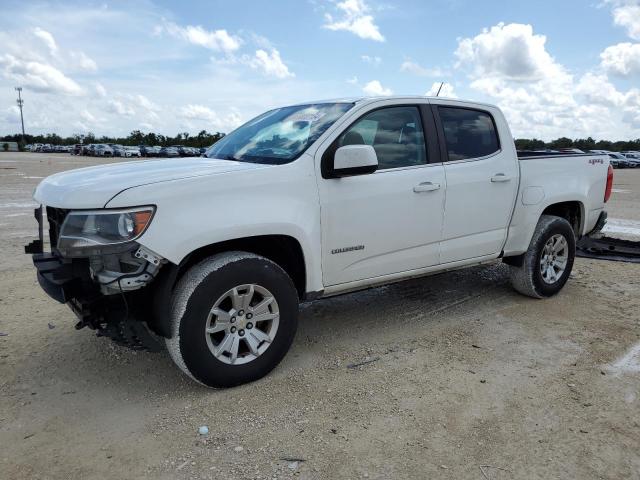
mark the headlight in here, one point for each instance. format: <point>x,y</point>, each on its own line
<point>99,228</point>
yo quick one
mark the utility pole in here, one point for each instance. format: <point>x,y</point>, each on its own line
<point>20,104</point>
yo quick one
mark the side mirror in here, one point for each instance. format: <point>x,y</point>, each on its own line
<point>354,160</point>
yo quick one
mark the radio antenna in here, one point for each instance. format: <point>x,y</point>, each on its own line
<point>441,85</point>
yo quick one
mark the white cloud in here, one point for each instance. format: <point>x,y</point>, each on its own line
<point>87,116</point>
<point>200,116</point>
<point>510,51</point>
<point>627,15</point>
<point>120,108</point>
<point>217,40</point>
<point>269,63</point>
<point>597,89</point>
<point>198,112</point>
<point>622,59</point>
<point>353,80</point>
<point>83,61</point>
<point>355,17</point>
<point>100,90</point>
<point>47,38</point>
<point>145,103</point>
<point>375,89</point>
<point>414,68</point>
<point>446,90</point>
<point>37,76</point>
<point>12,114</point>
<point>375,61</point>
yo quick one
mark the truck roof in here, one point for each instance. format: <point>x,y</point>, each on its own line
<point>366,100</point>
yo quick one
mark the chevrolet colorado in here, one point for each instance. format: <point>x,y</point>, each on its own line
<point>214,254</point>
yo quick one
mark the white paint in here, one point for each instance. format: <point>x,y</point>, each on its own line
<point>619,190</point>
<point>34,177</point>
<point>630,362</point>
<point>618,225</point>
<point>18,214</point>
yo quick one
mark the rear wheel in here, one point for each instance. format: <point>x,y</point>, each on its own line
<point>547,264</point>
<point>234,316</point>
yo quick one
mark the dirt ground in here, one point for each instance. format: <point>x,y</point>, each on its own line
<point>466,379</point>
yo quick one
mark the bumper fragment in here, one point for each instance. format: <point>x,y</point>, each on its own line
<point>59,278</point>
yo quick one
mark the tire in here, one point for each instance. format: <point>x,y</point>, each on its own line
<point>529,278</point>
<point>201,288</point>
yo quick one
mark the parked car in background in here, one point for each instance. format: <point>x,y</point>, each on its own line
<point>633,158</point>
<point>76,149</point>
<point>132,152</point>
<point>118,150</point>
<point>618,160</point>
<point>189,152</point>
<point>102,150</point>
<point>149,151</point>
<point>169,152</point>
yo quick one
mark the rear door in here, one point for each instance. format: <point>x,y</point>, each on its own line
<point>482,181</point>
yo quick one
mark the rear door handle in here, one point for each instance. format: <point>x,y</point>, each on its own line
<point>500,177</point>
<point>426,187</point>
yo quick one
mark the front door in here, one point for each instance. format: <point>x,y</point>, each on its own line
<point>389,221</point>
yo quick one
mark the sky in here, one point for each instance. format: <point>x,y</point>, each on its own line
<point>555,67</point>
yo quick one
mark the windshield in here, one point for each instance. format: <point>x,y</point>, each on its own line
<point>278,136</point>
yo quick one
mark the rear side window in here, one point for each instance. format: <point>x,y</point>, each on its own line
<point>468,133</point>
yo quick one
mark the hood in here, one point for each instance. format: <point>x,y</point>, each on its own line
<point>93,187</point>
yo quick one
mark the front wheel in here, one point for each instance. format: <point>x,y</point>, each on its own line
<point>547,264</point>
<point>234,317</point>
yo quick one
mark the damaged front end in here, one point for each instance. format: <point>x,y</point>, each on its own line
<point>97,268</point>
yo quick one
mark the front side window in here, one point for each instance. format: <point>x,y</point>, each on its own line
<point>278,136</point>
<point>395,133</point>
<point>468,133</point>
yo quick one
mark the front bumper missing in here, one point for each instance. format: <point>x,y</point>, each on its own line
<point>69,281</point>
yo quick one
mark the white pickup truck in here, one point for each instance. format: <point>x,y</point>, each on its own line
<point>214,254</point>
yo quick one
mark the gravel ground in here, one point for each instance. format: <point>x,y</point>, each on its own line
<point>465,379</point>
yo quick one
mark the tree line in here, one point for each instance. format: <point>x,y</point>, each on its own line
<point>135,138</point>
<point>205,139</point>
<point>581,143</point>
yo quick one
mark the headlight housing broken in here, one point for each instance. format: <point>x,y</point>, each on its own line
<point>90,232</point>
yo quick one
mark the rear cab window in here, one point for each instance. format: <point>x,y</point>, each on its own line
<point>468,133</point>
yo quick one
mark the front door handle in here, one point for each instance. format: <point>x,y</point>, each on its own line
<point>500,177</point>
<point>426,187</point>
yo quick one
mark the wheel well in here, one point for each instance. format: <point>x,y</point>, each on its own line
<point>281,249</point>
<point>571,211</point>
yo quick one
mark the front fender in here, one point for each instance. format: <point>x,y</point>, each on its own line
<point>196,212</point>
